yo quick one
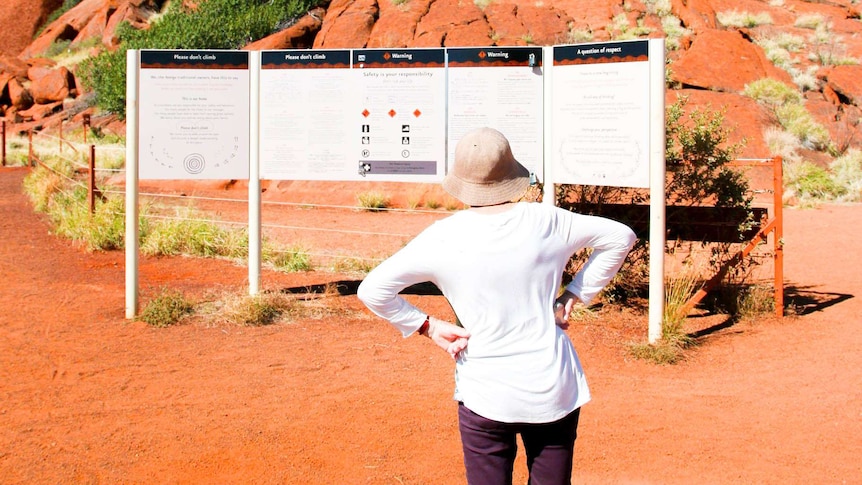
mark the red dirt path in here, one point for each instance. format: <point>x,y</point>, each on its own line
<point>87,397</point>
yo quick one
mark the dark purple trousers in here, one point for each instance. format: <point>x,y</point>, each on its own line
<point>490,448</point>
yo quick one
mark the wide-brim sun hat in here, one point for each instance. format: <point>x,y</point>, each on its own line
<point>484,171</point>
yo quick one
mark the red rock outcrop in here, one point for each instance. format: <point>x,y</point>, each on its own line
<point>729,67</point>
<point>298,36</point>
<point>52,85</point>
<point>712,63</point>
<point>19,21</point>
<point>93,18</point>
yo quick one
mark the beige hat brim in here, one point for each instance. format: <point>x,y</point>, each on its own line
<point>481,194</point>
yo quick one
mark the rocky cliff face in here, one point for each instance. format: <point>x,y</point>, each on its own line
<point>716,47</point>
<point>19,21</point>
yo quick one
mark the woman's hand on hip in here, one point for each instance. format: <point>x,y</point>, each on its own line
<point>563,308</point>
<point>451,338</point>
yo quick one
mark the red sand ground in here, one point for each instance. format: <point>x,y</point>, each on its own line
<point>87,397</point>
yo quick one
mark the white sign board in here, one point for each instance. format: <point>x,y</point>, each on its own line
<point>499,87</point>
<point>601,115</point>
<point>194,115</point>
<point>305,111</point>
<point>399,123</point>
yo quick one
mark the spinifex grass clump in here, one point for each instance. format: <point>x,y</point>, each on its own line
<point>166,309</point>
<point>255,310</point>
<point>373,201</point>
<point>674,339</point>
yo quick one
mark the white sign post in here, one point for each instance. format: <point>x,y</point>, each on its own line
<point>608,129</point>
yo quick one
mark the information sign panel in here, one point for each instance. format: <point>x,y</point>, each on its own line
<point>399,128</point>
<point>305,112</point>
<point>502,88</point>
<point>194,114</point>
<point>601,114</point>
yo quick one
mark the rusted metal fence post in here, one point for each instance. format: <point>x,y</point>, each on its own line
<point>61,136</point>
<point>86,126</point>
<point>4,143</point>
<point>92,189</point>
<point>30,149</point>
<point>778,235</point>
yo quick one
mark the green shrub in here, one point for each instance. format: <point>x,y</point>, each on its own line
<point>288,259</point>
<point>166,309</point>
<point>786,105</point>
<point>772,93</point>
<point>697,155</point>
<point>810,183</point>
<point>214,24</point>
<point>847,173</point>
<point>193,237</point>
<point>105,75</point>
<point>798,121</point>
<point>53,192</point>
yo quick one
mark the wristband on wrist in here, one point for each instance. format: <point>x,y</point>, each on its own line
<point>423,330</point>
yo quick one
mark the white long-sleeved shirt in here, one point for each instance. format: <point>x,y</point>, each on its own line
<point>501,273</point>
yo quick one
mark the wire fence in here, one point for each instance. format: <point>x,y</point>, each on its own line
<point>337,237</point>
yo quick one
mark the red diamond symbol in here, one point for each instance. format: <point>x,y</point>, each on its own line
<point>392,113</point>
<point>482,54</point>
<point>417,113</point>
<point>365,113</point>
<point>386,56</point>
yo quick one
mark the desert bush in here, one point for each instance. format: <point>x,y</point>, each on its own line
<point>673,31</point>
<point>194,237</point>
<point>735,18</point>
<point>254,310</point>
<point>755,300</point>
<point>697,155</point>
<point>372,201</point>
<point>847,173</point>
<point>670,349</point>
<point>621,30</point>
<point>798,121</point>
<point>786,106</point>
<point>772,93</point>
<point>807,79</point>
<point>292,259</point>
<point>828,48</point>
<point>102,230</point>
<point>349,265</point>
<point>166,309</point>
<point>214,24</point>
<point>809,184</point>
<point>810,21</point>
<point>782,144</point>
